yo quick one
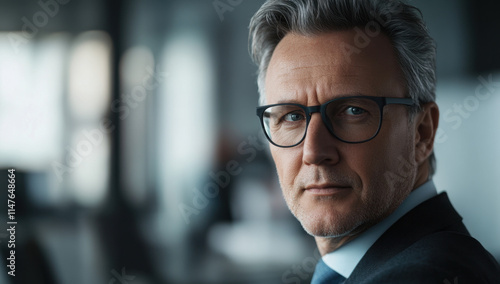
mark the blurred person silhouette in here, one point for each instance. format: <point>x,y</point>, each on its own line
<point>347,102</point>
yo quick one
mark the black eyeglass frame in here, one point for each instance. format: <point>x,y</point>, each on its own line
<point>309,110</point>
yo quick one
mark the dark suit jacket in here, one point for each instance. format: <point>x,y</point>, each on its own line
<point>429,244</point>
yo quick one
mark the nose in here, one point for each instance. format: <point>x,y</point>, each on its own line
<point>320,146</point>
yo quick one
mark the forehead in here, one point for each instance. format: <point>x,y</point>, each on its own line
<point>332,64</point>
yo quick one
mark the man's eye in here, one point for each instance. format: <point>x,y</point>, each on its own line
<point>293,117</point>
<point>354,110</point>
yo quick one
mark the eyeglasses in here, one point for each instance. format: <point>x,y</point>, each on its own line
<point>355,119</point>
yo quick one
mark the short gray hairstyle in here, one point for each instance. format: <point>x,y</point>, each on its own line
<point>402,23</point>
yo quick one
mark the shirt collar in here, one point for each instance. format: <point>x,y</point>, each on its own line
<point>344,259</point>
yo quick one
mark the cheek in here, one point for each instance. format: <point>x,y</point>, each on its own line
<point>400,146</point>
<point>379,158</point>
<point>367,161</point>
<point>388,159</point>
<point>288,162</point>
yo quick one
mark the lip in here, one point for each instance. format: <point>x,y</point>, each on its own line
<point>326,189</point>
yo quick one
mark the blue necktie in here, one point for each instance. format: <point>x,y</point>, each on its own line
<point>323,274</point>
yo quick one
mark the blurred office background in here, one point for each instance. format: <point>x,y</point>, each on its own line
<point>137,151</point>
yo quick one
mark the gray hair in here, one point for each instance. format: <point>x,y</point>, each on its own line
<point>402,23</point>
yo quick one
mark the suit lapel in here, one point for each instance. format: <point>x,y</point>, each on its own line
<point>433,215</point>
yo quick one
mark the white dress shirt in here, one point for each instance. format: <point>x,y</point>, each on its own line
<point>344,259</point>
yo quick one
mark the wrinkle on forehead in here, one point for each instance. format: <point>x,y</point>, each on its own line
<point>315,66</point>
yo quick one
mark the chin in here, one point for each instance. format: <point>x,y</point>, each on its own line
<point>330,230</point>
<point>329,223</point>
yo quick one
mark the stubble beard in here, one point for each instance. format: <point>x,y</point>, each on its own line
<point>333,224</point>
<point>371,210</point>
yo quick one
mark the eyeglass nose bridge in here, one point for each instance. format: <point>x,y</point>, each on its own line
<point>318,109</point>
<point>312,109</point>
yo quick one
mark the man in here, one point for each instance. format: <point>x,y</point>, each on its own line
<point>347,103</point>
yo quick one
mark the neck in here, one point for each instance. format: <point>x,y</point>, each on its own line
<point>330,244</point>
<point>327,245</point>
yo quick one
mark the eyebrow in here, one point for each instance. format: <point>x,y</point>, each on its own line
<point>294,101</point>
<point>288,102</point>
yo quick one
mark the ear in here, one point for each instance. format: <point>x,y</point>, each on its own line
<point>426,124</point>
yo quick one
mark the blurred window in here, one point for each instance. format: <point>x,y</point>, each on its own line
<point>54,96</point>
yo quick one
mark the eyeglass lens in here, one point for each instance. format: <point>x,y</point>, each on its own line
<point>350,119</point>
